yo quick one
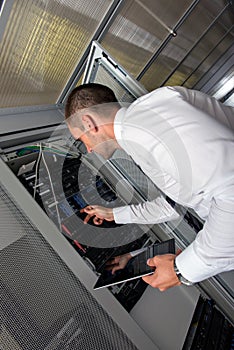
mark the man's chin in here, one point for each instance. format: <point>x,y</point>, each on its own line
<point>106,153</point>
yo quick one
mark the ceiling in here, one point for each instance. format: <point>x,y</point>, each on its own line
<point>44,44</point>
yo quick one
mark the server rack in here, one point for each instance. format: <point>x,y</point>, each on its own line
<point>132,184</point>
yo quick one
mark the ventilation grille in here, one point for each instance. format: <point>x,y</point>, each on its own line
<point>43,305</point>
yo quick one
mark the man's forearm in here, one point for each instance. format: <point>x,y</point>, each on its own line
<point>150,212</point>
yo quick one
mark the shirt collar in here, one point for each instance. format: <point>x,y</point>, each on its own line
<point>118,123</point>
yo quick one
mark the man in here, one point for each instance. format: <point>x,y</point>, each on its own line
<point>182,140</point>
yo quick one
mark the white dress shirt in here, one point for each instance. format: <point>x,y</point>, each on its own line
<point>183,141</point>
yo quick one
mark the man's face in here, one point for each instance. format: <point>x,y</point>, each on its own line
<point>83,136</point>
<point>95,142</point>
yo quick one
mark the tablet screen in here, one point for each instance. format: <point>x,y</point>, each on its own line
<point>135,266</point>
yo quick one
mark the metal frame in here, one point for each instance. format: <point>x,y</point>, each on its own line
<point>27,120</point>
<point>26,109</point>
<point>99,56</point>
<point>21,125</point>
<point>21,139</point>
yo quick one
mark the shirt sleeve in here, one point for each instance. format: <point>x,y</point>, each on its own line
<point>212,251</point>
<point>150,212</point>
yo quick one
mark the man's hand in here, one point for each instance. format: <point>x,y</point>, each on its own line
<point>164,276</point>
<point>118,262</point>
<point>99,213</point>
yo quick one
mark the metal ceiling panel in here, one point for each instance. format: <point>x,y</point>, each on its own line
<point>41,46</point>
<point>44,44</point>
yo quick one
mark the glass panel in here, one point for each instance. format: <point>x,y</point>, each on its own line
<point>230,101</point>
<point>139,30</point>
<point>212,46</point>
<point>224,89</point>
<point>191,31</point>
<point>208,61</point>
<point>41,46</point>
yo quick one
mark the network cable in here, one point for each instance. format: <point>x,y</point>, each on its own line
<point>36,170</point>
<point>52,189</point>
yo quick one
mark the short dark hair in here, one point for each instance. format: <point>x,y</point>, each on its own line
<point>88,95</point>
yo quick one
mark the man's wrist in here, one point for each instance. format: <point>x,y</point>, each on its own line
<point>109,214</point>
<point>181,278</point>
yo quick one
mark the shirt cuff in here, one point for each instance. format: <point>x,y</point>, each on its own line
<point>193,268</point>
<point>122,215</point>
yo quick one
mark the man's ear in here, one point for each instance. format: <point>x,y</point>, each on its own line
<point>89,123</point>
